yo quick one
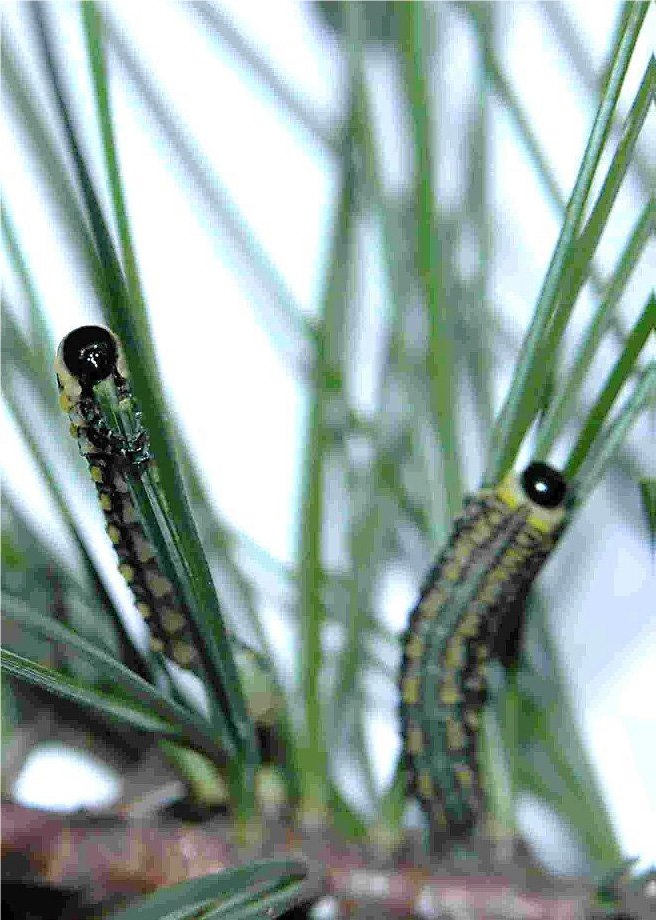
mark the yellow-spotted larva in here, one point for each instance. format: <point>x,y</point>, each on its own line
<point>86,357</point>
<point>470,610</point>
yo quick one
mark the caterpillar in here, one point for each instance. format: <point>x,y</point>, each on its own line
<point>117,456</point>
<point>470,610</point>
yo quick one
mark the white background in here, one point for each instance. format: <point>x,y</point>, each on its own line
<point>243,401</point>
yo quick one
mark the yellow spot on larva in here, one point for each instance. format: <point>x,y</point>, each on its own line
<point>156,644</point>
<point>158,584</point>
<point>425,785</point>
<point>494,518</point>
<point>96,473</point>
<point>455,735</point>
<point>182,653</point>
<point>411,690</point>
<point>489,594</point>
<point>452,571</point>
<point>470,623</point>
<point>415,647</point>
<point>172,620</point>
<point>514,557</point>
<point>507,491</point>
<point>498,575</point>
<point>464,775</point>
<point>145,552</point>
<point>463,551</point>
<point>64,401</point>
<point>482,651</point>
<point>543,526</point>
<point>481,532</point>
<point>454,654</point>
<point>126,571</point>
<point>415,740</point>
<point>129,513</point>
<point>105,502</point>
<point>450,693</point>
<point>144,610</point>
<point>144,548</point>
<point>114,533</point>
<point>433,602</point>
<point>72,430</point>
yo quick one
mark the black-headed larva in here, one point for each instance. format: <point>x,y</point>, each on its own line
<point>85,358</point>
<point>467,610</point>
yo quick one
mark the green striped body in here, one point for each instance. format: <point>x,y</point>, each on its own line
<point>467,609</point>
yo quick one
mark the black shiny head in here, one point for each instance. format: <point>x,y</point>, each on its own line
<point>90,354</point>
<point>544,485</point>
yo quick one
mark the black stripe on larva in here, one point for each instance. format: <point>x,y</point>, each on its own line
<point>481,577</point>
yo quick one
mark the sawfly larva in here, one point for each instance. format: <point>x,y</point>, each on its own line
<point>118,456</point>
<point>470,611</point>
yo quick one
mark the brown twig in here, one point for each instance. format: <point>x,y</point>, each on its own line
<point>106,857</point>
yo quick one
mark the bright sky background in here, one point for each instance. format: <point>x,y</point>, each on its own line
<point>243,402</point>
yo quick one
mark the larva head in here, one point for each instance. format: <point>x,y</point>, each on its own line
<point>86,356</point>
<point>543,489</point>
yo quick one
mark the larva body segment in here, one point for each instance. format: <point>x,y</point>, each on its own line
<point>85,358</point>
<point>467,609</point>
